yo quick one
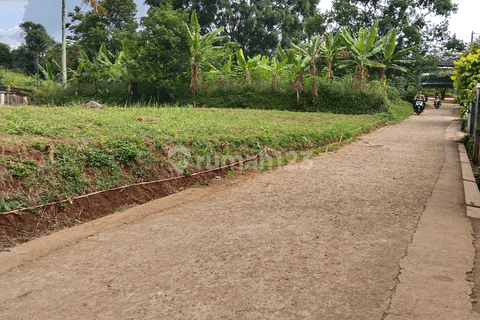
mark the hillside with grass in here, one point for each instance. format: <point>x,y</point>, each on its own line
<point>51,154</point>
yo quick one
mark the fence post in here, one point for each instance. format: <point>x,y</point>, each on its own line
<point>476,137</point>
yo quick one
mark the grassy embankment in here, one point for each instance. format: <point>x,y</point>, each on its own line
<point>50,154</point>
<point>14,79</point>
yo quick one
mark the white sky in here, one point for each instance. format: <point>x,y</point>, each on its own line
<point>48,13</point>
<point>462,23</point>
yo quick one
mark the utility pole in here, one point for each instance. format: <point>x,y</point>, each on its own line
<point>64,48</point>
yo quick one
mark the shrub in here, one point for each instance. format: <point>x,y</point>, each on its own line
<point>337,98</point>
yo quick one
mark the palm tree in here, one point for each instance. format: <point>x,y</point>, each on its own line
<point>98,9</point>
<point>363,48</point>
<point>198,46</point>
<point>310,52</point>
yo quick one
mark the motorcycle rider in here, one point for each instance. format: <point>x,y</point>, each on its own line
<point>438,95</point>
<point>421,96</point>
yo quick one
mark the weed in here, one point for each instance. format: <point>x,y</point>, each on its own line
<point>54,226</point>
<point>100,157</point>
<point>204,183</point>
<point>126,207</point>
<point>230,174</point>
<point>23,168</point>
<point>128,149</point>
<point>13,201</point>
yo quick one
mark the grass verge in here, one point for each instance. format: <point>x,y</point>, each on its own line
<point>52,154</point>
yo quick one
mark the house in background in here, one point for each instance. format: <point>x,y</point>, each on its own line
<point>444,80</point>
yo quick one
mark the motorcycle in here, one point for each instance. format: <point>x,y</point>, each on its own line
<point>418,106</point>
<point>437,102</point>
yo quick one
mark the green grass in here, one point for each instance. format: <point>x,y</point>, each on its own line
<point>14,79</point>
<point>174,125</point>
<point>101,149</point>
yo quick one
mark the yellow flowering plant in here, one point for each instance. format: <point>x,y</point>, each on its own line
<point>466,74</point>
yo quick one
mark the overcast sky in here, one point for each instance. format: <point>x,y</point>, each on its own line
<point>48,13</point>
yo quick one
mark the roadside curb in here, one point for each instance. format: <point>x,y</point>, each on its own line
<point>472,194</point>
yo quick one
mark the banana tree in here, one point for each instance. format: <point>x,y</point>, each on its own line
<point>298,65</point>
<point>222,72</point>
<point>199,44</point>
<point>329,51</point>
<point>363,49</point>
<point>101,67</point>
<point>311,53</point>
<point>247,65</point>
<point>274,67</point>
<point>389,58</point>
<point>49,69</point>
<point>98,9</point>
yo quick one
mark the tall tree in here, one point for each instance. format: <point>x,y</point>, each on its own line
<point>411,18</point>
<point>91,30</point>
<point>97,9</point>
<point>36,40</point>
<point>257,25</point>
<point>5,55</point>
<point>160,56</point>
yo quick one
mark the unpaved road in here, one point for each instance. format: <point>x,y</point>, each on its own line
<point>321,241</point>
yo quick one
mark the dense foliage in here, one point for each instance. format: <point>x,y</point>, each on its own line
<point>466,74</point>
<point>272,48</point>
<point>256,25</point>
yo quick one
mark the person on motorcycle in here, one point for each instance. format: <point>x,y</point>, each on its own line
<point>420,95</point>
<point>437,101</point>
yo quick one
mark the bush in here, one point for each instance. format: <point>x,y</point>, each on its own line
<point>103,93</point>
<point>337,98</point>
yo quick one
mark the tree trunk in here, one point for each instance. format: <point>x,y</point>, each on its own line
<point>38,56</point>
<point>64,48</point>
<point>314,89</point>
<point>247,78</point>
<point>193,84</point>
<point>329,71</point>
<point>199,75</point>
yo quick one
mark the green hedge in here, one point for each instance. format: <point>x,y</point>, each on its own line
<point>336,98</point>
<point>57,96</point>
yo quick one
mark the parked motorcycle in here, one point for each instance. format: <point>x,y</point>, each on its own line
<point>418,106</point>
<point>437,102</point>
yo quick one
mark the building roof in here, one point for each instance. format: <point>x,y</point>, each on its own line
<point>445,64</point>
<point>439,82</point>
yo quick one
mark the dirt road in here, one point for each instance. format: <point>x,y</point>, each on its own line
<point>319,241</point>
